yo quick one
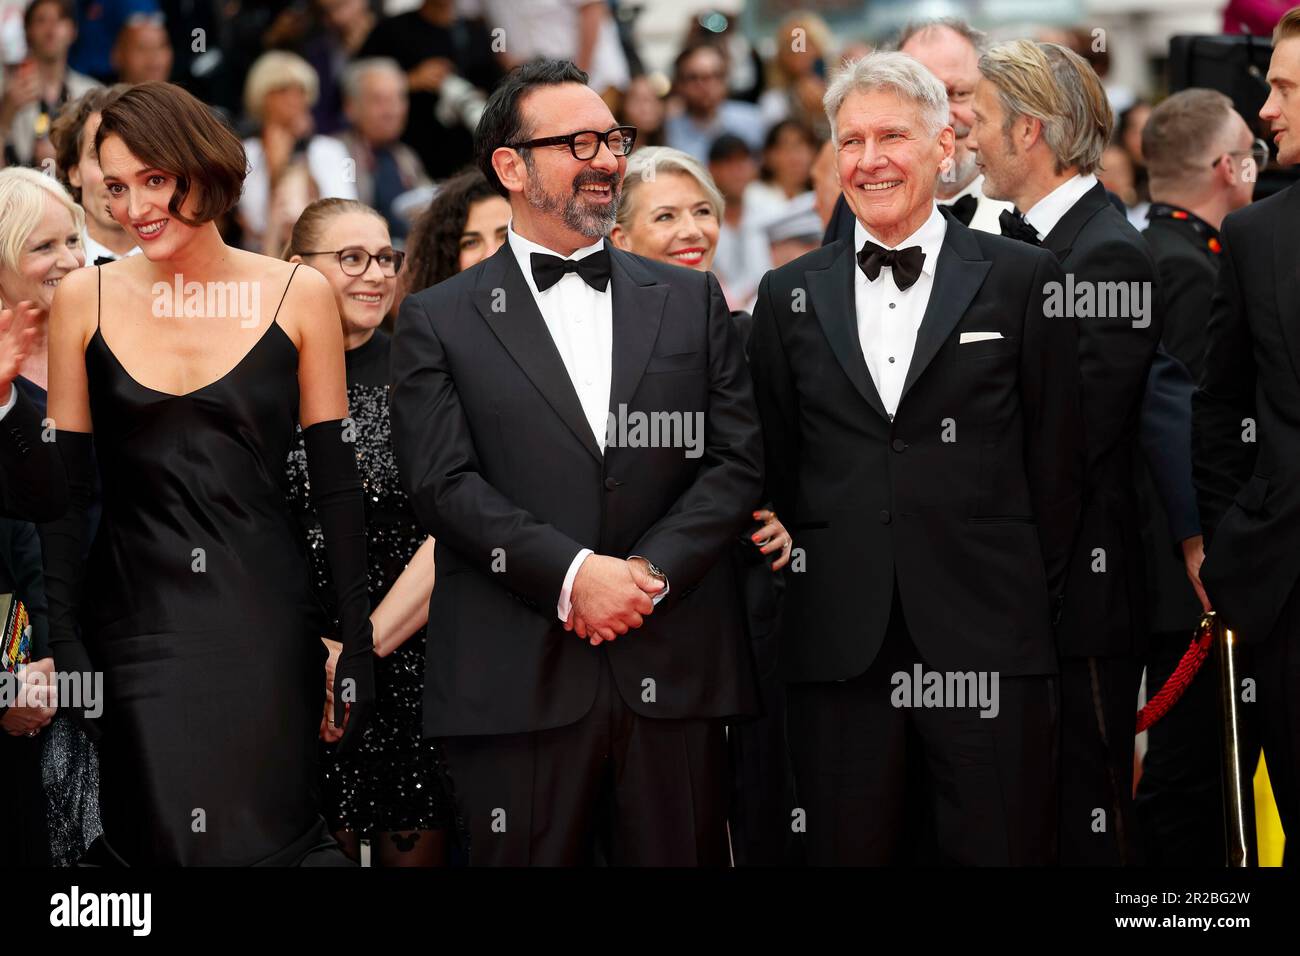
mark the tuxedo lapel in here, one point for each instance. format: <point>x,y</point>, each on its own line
<point>958,275</point>
<point>638,308</point>
<point>830,291</point>
<point>506,303</point>
<point>1061,239</point>
<point>1286,265</point>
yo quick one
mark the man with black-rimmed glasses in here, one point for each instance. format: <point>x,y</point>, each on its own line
<point>586,633</point>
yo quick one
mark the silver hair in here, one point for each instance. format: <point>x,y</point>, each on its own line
<point>894,71</point>
<point>648,161</point>
<point>355,72</point>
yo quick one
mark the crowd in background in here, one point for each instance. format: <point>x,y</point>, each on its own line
<point>336,99</point>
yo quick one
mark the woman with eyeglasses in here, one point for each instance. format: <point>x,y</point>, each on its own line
<point>391,789</point>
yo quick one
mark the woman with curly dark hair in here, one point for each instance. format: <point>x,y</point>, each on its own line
<point>465,223</point>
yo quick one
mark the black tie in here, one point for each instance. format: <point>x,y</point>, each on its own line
<point>1016,226</point>
<point>906,263</point>
<point>594,269</point>
<point>963,210</point>
<point>100,260</point>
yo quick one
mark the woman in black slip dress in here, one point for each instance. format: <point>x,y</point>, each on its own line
<point>198,608</point>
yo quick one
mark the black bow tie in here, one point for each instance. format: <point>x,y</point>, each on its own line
<point>906,263</point>
<point>963,209</point>
<point>1016,226</point>
<point>594,269</point>
<point>100,260</point>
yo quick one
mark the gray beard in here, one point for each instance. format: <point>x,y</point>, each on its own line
<point>594,223</point>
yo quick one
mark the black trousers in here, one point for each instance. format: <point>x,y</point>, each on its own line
<point>1097,823</point>
<point>882,785</point>
<point>615,786</point>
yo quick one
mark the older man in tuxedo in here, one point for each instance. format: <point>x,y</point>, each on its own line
<point>1246,438</point>
<point>950,49</point>
<point>576,426</point>
<point>922,434</point>
<point>1041,123</point>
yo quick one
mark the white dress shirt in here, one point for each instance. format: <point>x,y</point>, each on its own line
<point>888,318</point>
<point>987,210</point>
<point>95,251</point>
<point>581,322</point>
<point>1047,212</point>
<point>13,400</point>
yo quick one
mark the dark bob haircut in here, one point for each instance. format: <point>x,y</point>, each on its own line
<point>167,128</point>
<point>502,121</point>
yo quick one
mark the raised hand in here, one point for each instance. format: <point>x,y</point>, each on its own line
<point>17,335</point>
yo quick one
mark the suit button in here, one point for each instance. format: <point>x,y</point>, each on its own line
<point>885,517</point>
<point>612,483</point>
<point>898,444</point>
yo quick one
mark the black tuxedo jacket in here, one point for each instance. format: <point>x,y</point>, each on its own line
<point>1249,490</point>
<point>33,486</point>
<point>503,469</point>
<point>968,497</point>
<point>1105,613</point>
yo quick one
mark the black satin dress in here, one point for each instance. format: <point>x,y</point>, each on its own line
<point>198,607</point>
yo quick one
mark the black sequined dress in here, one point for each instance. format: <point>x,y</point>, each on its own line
<point>396,780</point>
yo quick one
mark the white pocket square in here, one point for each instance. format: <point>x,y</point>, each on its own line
<point>978,337</point>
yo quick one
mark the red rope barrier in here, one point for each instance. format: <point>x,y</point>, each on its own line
<point>1193,658</point>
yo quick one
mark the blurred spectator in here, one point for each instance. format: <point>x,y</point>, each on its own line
<point>36,89</point>
<point>644,108</point>
<point>786,172</point>
<point>796,230</point>
<point>700,76</point>
<point>78,169</point>
<point>1117,175</point>
<point>826,182</point>
<point>449,67</point>
<point>99,22</point>
<point>746,73</point>
<point>465,223</point>
<point>743,254</point>
<point>374,96</point>
<point>579,30</point>
<point>143,52</point>
<point>797,77</point>
<point>341,29</point>
<point>1128,135</point>
<point>289,166</point>
<point>1256,17</point>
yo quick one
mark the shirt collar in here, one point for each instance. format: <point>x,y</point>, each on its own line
<point>929,237</point>
<point>524,248</point>
<point>1048,211</point>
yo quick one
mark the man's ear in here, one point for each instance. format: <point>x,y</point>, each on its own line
<point>1028,130</point>
<point>510,169</point>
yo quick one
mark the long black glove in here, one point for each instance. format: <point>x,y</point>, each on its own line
<point>337,497</point>
<point>61,554</point>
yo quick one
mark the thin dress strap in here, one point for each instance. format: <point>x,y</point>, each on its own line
<point>286,291</point>
<point>99,293</point>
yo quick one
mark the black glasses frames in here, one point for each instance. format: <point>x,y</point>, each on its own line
<point>354,261</point>
<point>584,144</point>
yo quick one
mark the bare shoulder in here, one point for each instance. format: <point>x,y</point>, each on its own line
<point>300,293</point>
<point>75,303</point>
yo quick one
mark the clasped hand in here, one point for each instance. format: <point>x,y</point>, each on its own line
<point>611,597</point>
